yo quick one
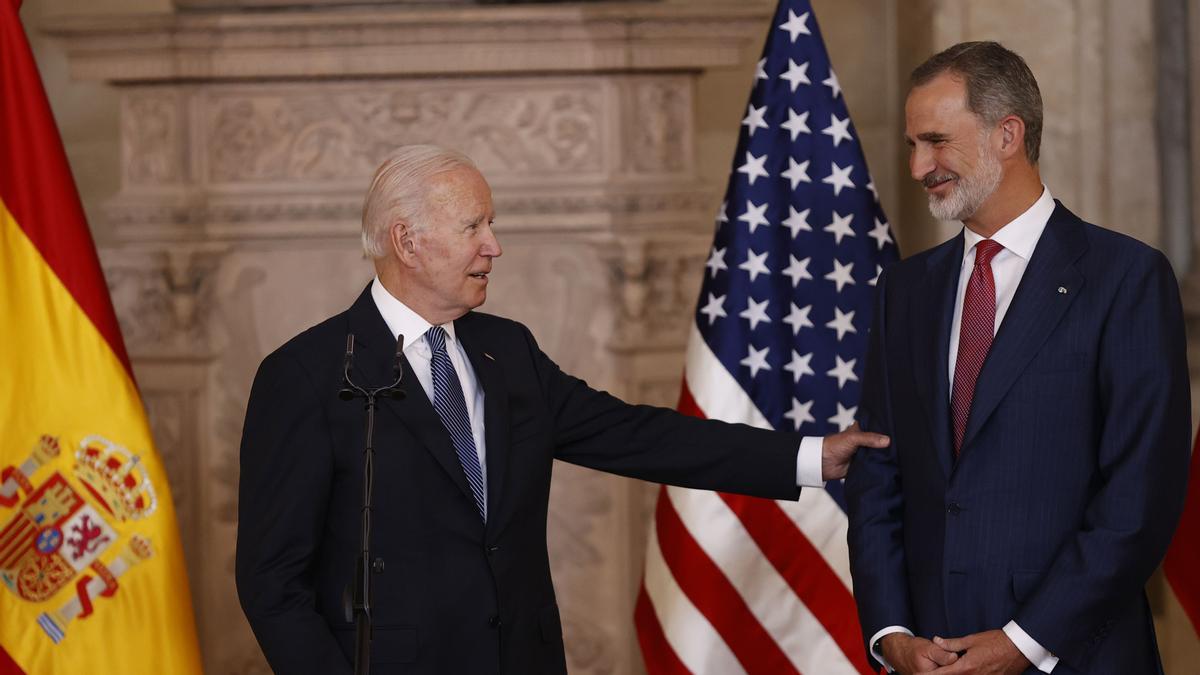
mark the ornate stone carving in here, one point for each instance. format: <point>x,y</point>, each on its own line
<point>150,135</point>
<point>659,133</point>
<point>159,295</point>
<point>654,286</point>
<point>342,135</point>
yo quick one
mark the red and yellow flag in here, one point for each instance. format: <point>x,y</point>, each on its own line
<point>92,577</point>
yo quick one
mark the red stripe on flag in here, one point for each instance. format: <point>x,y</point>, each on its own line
<point>1182,564</point>
<point>797,561</point>
<point>712,594</point>
<point>7,665</point>
<point>805,569</point>
<point>660,658</point>
<point>37,187</point>
<point>687,404</point>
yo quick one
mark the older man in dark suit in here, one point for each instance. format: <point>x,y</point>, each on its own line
<point>466,457</point>
<point>1031,373</point>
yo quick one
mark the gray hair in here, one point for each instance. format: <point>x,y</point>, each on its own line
<point>999,83</point>
<point>397,191</point>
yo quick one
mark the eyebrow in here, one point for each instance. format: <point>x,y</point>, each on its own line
<point>483,217</point>
<point>928,137</point>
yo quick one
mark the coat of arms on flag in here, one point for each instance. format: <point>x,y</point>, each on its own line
<point>60,532</point>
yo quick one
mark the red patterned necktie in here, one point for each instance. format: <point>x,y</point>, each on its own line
<point>975,335</point>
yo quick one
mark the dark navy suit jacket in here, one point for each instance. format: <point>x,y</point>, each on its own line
<point>1074,462</point>
<point>455,596</point>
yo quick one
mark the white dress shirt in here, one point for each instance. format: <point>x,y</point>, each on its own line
<point>404,321</point>
<point>1018,238</point>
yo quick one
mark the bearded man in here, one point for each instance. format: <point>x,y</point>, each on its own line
<point>1031,373</point>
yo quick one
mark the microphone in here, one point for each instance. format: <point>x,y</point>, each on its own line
<point>394,390</point>
<point>346,393</point>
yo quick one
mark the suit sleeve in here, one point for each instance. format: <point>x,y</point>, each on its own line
<point>597,430</point>
<point>874,498</point>
<point>1142,468</point>
<point>286,468</point>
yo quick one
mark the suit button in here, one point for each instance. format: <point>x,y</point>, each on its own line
<point>494,621</point>
<point>954,509</point>
<point>492,549</point>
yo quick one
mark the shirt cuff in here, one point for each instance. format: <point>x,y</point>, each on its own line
<point>879,636</point>
<point>1039,656</point>
<point>808,462</point>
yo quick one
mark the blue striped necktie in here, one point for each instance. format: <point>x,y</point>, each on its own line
<point>451,407</point>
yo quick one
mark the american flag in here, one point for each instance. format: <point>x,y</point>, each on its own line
<point>741,585</point>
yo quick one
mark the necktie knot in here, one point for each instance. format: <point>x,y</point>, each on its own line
<point>985,250</point>
<point>436,337</point>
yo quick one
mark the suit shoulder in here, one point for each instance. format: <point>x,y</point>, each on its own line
<point>1104,238</point>
<point>493,326</point>
<point>917,265</point>
<point>326,337</point>
<point>1112,250</point>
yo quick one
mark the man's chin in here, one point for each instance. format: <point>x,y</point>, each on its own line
<point>942,209</point>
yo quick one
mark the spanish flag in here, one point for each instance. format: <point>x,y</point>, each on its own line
<point>92,571</point>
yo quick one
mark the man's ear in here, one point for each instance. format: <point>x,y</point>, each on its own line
<point>404,243</point>
<point>1012,137</point>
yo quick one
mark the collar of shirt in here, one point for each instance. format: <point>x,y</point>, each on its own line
<point>1021,235</point>
<point>402,320</point>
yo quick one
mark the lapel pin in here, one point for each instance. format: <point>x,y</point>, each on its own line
<point>489,356</point>
<point>1062,290</point>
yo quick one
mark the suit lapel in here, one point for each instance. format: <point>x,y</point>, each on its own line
<point>495,409</point>
<point>932,311</point>
<point>374,354</point>
<point>1037,307</point>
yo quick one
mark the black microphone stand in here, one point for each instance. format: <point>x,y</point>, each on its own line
<point>358,601</point>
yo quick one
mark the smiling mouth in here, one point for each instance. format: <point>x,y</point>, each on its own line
<point>479,275</point>
<point>932,182</point>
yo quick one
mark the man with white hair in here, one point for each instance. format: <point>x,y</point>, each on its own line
<point>466,457</point>
<point>1031,373</point>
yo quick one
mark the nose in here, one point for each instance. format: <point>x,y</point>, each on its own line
<point>920,162</point>
<point>490,247</point>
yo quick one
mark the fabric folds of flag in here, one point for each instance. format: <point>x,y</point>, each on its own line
<point>90,559</point>
<point>741,585</point>
<point>1182,564</point>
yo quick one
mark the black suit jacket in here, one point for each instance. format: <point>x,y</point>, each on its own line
<point>1073,466</point>
<point>456,596</point>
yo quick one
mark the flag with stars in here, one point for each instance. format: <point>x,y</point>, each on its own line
<point>736,584</point>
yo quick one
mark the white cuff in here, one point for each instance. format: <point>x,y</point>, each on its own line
<point>879,636</point>
<point>808,462</point>
<point>1039,656</point>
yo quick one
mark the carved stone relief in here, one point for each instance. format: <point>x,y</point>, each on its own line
<point>161,296</point>
<point>342,132</point>
<point>151,134</point>
<point>659,126</point>
<point>655,285</point>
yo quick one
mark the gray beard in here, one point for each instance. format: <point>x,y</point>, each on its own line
<point>971,192</point>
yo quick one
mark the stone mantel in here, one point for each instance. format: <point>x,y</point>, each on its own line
<point>407,40</point>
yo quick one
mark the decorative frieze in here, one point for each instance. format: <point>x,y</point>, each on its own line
<point>339,134</point>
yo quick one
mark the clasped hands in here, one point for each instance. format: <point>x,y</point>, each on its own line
<point>989,652</point>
